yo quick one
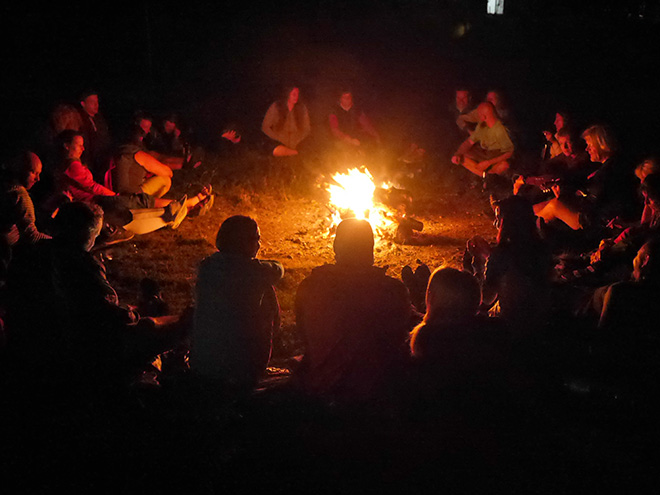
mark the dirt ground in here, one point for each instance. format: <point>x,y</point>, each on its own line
<point>295,228</point>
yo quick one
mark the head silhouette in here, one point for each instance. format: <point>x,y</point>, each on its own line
<point>354,243</point>
<point>239,235</point>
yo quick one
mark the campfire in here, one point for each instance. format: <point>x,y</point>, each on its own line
<point>355,195</point>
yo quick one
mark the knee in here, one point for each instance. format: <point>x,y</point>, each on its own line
<point>500,168</point>
<point>166,185</point>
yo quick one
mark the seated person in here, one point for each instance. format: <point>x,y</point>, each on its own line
<point>489,148</point>
<point>629,307</point>
<point>518,270</point>
<point>95,132</point>
<point>455,346</point>
<point>349,124</point>
<point>236,308</point>
<point>615,254</point>
<point>496,98</point>
<point>168,140</point>
<point>626,345</point>
<point>17,217</point>
<point>463,112</point>
<point>647,167</point>
<point>136,212</point>
<point>605,192</point>
<point>66,323</point>
<point>161,145</point>
<point>503,111</point>
<point>570,161</point>
<point>569,169</point>
<point>354,321</point>
<point>137,171</point>
<point>553,147</point>
<point>287,124</point>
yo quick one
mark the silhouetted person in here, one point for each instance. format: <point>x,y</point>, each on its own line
<point>518,269</point>
<point>625,346</point>
<point>66,324</point>
<point>236,308</point>
<point>354,320</point>
<point>455,347</point>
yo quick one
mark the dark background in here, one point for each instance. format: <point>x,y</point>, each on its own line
<point>224,62</point>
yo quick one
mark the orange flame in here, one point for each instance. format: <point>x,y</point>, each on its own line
<point>352,195</point>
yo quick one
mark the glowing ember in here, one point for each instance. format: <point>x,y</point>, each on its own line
<point>352,195</point>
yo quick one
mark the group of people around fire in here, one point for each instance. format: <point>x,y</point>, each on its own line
<point>574,266</point>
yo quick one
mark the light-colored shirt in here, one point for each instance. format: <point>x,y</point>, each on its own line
<point>290,132</point>
<point>494,138</point>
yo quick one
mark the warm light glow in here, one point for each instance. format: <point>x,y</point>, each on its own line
<point>352,195</point>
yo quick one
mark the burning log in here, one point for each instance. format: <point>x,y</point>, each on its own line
<point>354,194</point>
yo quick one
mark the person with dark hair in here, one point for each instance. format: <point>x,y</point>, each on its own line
<point>236,309</point>
<point>163,144</point>
<point>95,133</point>
<point>552,147</point>
<point>287,124</point>
<point>136,212</point>
<point>463,111</point>
<point>518,270</point>
<point>568,170</point>
<point>496,97</point>
<point>489,148</point>
<point>354,321</point>
<point>570,164</point>
<point>349,124</point>
<point>168,140</point>
<point>67,327</point>
<point>136,170</point>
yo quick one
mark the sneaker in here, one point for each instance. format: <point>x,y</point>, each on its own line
<point>176,212</point>
<point>111,237</point>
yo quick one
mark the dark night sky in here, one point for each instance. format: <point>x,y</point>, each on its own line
<point>221,61</point>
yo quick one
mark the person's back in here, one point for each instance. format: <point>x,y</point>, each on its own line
<point>354,324</point>
<point>234,317</point>
<point>518,269</point>
<point>236,308</point>
<point>128,175</point>
<point>65,317</point>
<point>454,347</point>
<point>468,352</point>
<point>354,320</point>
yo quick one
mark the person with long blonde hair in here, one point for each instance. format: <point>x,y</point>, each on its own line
<point>456,347</point>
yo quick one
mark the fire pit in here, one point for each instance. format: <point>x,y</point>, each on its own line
<point>355,195</point>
